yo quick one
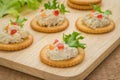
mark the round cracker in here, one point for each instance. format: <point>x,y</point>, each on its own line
<point>18,46</point>
<point>84,28</point>
<point>81,7</point>
<point>52,29</point>
<point>63,63</point>
<point>85,2</point>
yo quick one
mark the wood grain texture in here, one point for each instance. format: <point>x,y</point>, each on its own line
<point>98,47</point>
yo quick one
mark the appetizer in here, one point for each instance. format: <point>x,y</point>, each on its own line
<point>83,4</point>
<point>66,53</point>
<point>14,36</point>
<point>97,21</point>
<point>51,19</point>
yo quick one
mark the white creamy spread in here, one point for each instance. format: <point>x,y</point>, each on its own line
<point>62,54</point>
<point>47,18</point>
<point>96,20</point>
<point>13,34</point>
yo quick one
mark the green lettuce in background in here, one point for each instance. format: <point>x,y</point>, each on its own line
<point>14,7</point>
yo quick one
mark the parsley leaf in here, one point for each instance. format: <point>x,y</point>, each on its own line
<point>55,5</point>
<point>73,40</point>
<point>108,12</point>
<point>19,21</point>
<point>98,9</point>
<point>62,9</point>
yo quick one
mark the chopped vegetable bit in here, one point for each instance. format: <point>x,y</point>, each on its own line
<point>100,16</point>
<point>51,47</point>
<point>13,31</point>
<point>6,28</point>
<point>60,46</point>
<point>55,5</point>
<point>43,14</point>
<point>92,10</point>
<point>72,40</point>
<point>56,12</point>
<point>55,41</point>
<point>98,9</point>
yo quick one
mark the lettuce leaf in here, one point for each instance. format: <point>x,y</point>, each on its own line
<point>14,7</point>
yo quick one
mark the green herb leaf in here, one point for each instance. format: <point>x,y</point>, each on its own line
<point>73,40</point>
<point>108,12</point>
<point>19,21</point>
<point>62,9</point>
<point>55,5</point>
<point>98,9</point>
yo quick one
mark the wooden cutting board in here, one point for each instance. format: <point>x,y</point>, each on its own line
<point>98,47</point>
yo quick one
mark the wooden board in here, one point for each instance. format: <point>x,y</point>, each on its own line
<point>98,47</point>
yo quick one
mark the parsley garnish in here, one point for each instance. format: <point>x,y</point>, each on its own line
<point>19,21</point>
<point>98,9</point>
<point>73,40</point>
<point>55,5</point>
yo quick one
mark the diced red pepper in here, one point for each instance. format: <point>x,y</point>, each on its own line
<point>13,31</point>
<point>60,46</point>
<point>55,41</point>
<point>100,16</point>
<point>56,12</point>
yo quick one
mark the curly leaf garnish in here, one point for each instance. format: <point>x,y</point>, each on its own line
<point>73,40</point>
<point>98,9</point>
<point>55,5</point>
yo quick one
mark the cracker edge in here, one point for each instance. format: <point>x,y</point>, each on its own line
<point>86,29</point>
<point>61,64</point>
<point>17,46</point>
<point>84,3</point>
<point>55,29</point>
<point>80,7</point>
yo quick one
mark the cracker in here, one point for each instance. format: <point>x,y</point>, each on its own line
<point>18,46</point>
<point>81,7</point>
<point>85,2</point>
<point>53,29</point>
<point>63,63</point>
<point>84,28</point>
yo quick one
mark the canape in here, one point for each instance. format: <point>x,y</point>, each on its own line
<point>14,36</point>
<point>51,19</point>
<point>97,21</point>
<point>66,53</point>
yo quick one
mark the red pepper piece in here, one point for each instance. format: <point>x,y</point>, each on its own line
<point>13,31</point>
<point>100,16</point>
<point>55,41</point>
<point>60,46</point>
<point>56,12</point>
